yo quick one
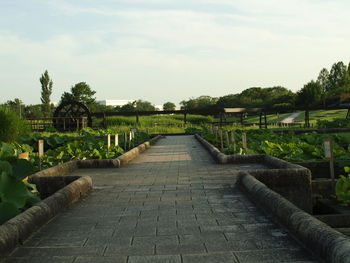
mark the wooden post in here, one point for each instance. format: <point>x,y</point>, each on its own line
<point>137,119</point>
<point>260,120</point>
<point>129,139</point>
<point>265,119</point>
<point>233,139</point>
<point>185,118</point>
<point>40,151</point>
<point>227,140</point>
<point>221,140</point>
<point>244,141</point>
<point>108,142</point>
<point>125,138</point>
<point>307,119</point>
<point>116,140</point>
<point>328,152</point>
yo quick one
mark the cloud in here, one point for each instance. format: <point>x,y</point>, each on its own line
<point>162,53</point>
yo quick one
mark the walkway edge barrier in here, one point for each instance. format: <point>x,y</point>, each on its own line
<point>279,174</point>
<point>16,230</point>
<point>328,243</point>
<point>121,160</point>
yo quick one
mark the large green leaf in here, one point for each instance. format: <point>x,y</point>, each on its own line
<point>22,168</point>
<point>13,190</point>
<point>7,211</point>
<point>5,167</point>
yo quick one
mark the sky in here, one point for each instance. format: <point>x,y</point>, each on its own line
<point>167,50</point>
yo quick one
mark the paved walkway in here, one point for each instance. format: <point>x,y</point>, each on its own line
<point>172,204</point>
<point>291,117</point>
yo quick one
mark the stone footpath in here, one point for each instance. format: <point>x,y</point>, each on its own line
<point>171,204</point>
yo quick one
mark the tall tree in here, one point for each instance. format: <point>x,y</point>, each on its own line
<point>169,106</point>
<point>337,77</point>
<point>310,95</point>
<point>323,79</point>
<point>80,92</point>
<point>15,105</point>
<point>46,91</point>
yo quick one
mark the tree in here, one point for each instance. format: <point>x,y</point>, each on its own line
<point>15,105</point>
<point>323,79</point>
<point>337,77</point>
<point>141,105</point>
<point>169,106</point>
<point>80,92</point>
<point>310,95</point>
<point>200,103</point>
<point>46,91</point>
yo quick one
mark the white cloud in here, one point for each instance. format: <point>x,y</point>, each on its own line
<point>162,55</point>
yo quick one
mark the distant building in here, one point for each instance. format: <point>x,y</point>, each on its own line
<point>114,102</point>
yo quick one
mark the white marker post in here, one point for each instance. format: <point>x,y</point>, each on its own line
<point>116,141</point>
<point>328,153</point>
<point>40,151</point>
<point>108,142</point>
<point>244,141</point>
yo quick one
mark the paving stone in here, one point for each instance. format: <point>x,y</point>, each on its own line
<point>114,259</point>
<point>57,251</point>
<point>39,259</point>
<point>223,257</point>
<point>273,255</point>
<point>155,259</point>
<point>173,204</point>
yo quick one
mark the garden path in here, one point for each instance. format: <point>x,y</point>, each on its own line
<point>173,203</point>
<point>291,117</point>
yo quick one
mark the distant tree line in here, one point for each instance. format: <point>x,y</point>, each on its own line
<point>330,88</point>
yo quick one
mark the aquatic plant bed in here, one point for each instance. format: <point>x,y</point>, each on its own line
<point>289,180</point>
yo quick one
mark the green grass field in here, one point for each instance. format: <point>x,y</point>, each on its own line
<point>322,115</point>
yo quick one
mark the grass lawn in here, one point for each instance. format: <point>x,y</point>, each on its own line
<point>322,115</point>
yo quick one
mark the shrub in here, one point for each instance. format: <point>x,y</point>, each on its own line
<point>11,125</point>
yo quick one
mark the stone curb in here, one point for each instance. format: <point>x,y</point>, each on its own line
<point>121,160</point>
<point>17,229</point>
<point>329,244</point>
<point>292,181</point>
<point>73,165</point>
<point>236,158</point>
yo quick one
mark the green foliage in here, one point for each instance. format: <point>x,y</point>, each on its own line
<point>46,91</point>
<point>80,92</point>
<point>15,195</point>
<point>342,188</point>
<point>11,125</point>
<point>310,95</point>
<point>169,106</point>
<point>335,123</point>
<point>290,147</point>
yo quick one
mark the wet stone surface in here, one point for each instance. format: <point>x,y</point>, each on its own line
<point>171,204</point>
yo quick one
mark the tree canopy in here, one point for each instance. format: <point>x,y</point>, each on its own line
<point>46,91</point>
<point>80,92</point>
<point>169,106</point>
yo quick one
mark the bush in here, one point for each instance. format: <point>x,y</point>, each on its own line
<point>11,125</point>
<point>335,123</point>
